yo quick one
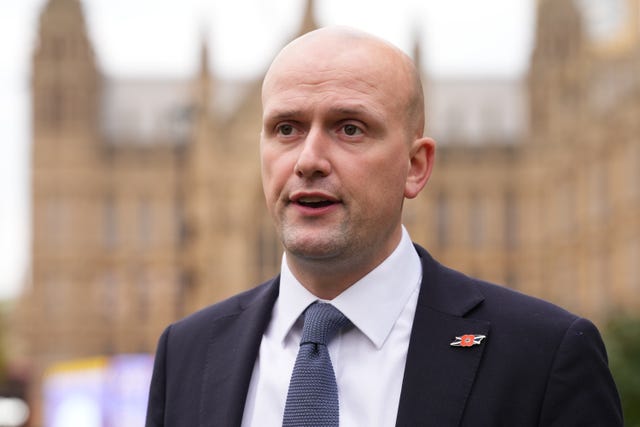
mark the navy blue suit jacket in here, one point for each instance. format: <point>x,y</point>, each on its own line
<point>539,365</point>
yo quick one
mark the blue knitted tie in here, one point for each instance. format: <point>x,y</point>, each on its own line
<point>312,400</point>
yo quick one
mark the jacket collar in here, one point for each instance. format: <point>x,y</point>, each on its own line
<point>438,377</point>
<point>446,290</point>
<point>231,355</point>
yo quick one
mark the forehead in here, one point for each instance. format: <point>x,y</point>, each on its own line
<point>332,73</point>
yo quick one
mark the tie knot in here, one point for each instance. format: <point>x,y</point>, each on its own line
<point>321,322</point>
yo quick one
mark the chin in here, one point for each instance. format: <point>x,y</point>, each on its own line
<point>313,247</point>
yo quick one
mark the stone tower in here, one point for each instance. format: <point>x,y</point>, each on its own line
<point>66,170</point>
<point>558,64</point>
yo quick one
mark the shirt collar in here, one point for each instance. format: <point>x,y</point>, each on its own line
<point>373,304</point>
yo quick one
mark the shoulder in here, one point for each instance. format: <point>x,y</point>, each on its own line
<point>514,316</point>
<point>263,295</point>
<point>505,304</point>
<point>477,298</point>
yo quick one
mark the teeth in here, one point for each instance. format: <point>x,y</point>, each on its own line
<point>311,199</point>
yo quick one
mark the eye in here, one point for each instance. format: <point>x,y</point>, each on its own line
<point>285,129</point>
<point>351,130</point>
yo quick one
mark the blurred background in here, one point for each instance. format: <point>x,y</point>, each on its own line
<point>130,185</point>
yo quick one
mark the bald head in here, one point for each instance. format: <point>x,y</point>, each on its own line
<point>341,148</point>
<point>375,61</point>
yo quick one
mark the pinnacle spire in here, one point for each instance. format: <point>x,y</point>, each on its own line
<point>202,85</point>
<point>416,54</point>
<point>309,22</point>
<point>204,56</point>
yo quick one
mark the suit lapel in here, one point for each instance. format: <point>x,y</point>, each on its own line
<point>438,377</point>
<point>231,357</point>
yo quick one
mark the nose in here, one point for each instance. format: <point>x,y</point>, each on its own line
<point>313,158</point>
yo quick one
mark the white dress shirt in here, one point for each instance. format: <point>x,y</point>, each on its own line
<point>368,359</point>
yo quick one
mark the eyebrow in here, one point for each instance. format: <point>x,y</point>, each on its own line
<point>349,111</point>
<point>280,115</point>
<point>356,110</point>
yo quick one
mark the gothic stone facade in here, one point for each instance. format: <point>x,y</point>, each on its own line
<point>134,229</point>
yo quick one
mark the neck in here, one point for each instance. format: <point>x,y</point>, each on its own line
<point>324,281</point>
<point>328,278</point>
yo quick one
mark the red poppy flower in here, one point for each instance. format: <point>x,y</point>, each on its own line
<point>467,340</point>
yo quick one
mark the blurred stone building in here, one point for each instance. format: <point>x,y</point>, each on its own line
<point>537,182</point>
<point>147,201</point>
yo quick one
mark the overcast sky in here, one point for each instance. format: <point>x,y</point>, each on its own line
<point>160,38</point>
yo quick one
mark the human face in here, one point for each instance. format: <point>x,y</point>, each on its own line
<point>336,153</point>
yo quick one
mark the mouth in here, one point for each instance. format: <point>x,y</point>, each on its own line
<point>314,201</point>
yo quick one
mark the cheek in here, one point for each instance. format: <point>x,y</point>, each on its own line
<point>266,165</point>
<point>390,171</point>
<point>276,170</point>
<point>388,183</point>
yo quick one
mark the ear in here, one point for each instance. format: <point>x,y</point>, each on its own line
<point>422,156</point>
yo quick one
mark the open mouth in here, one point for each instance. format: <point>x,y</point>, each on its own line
<point>314,202</point>
<point>321,204</point>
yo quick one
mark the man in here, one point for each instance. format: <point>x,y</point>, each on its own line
<point>342,146</point>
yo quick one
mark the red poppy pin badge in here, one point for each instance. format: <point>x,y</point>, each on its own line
<point>468,340</point>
